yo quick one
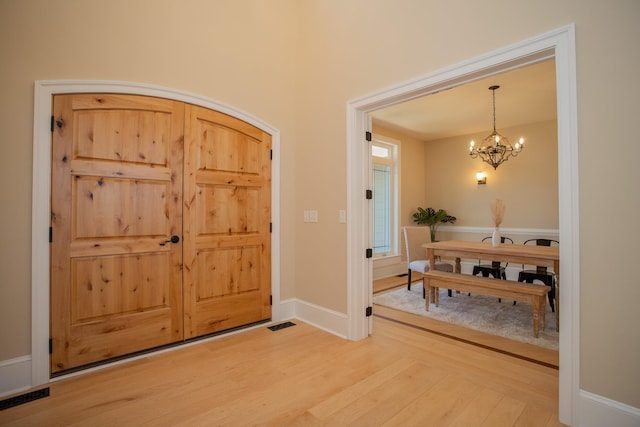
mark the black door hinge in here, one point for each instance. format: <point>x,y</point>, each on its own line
<point>50,234</point>
<point>270,154</point>
<point>270,227</point>
<point>369,311</point>
<point>369,252</point>
<point>50,346</point>
<point>52,123</point>
<point>368,136</point>
<point>368,195</point>
<point>270,299</point>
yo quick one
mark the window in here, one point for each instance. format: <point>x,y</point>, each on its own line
<point>384,155</point>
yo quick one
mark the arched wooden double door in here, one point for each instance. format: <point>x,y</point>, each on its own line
<point>160,225</point>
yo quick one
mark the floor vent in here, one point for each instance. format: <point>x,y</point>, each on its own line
<point>23,398</point>
<point>281,326</point>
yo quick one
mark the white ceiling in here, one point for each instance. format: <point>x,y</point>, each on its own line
<point>526,95</point>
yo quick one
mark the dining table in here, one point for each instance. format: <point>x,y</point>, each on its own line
<point>542,256</point>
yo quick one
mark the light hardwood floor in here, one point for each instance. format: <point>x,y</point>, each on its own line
<point>303,376</point>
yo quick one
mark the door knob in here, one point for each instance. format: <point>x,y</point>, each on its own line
<point>173,239</point>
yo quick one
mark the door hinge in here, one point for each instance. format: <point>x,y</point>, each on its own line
<point>369,252</point>
<point>270,299</point>
<point>50,234</point>
<point>369,311</point>
<point>368,195</point>
<point>50,346</point>
<point>368,135</point>
<point>271,154</point>
<point>270,227</point>
<point>52,123</point>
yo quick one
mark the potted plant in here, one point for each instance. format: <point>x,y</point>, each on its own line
<point>433,219</point>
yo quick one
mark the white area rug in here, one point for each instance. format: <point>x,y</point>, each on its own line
<point>477,312</point>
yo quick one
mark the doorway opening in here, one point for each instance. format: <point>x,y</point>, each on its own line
<point>559,45</point>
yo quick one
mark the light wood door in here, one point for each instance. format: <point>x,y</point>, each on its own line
<point>227,249</point>
<point>117,171</point>
<point>129,173</point>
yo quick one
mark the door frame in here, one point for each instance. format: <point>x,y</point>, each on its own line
<point>41,196</point>
<point>558,44</point>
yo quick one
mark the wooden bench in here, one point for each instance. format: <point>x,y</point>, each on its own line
<point>508,289</point>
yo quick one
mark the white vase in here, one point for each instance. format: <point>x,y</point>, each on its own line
<point>496,239</point>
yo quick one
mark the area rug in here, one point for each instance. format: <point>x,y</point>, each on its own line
<point>477,312</point>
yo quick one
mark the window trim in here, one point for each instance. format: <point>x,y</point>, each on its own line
<point>394,162</point>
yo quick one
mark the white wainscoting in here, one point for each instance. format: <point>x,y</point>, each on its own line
<point>389,266</point>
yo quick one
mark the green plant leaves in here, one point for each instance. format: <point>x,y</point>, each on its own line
<point>430,216</point>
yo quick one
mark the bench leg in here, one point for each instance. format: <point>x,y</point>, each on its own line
<point>538,308</point>
<point>426,284</point>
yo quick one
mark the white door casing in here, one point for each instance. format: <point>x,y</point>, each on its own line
<point>41,208</point>
<point>558,44</point>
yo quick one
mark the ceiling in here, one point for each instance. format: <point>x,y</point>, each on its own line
<point>526,95</point>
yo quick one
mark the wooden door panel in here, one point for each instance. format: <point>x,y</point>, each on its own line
<point>227,209</point>
<point>227,250</point>
<point>228,271</point>
<point>123,135</point>
<point>108,286</point>
<point>226,149</point>
<point>108,207</point>
<point>93,342</point>
<point>117,170</point>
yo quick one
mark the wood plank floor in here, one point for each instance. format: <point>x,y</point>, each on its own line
<point>303,376</point>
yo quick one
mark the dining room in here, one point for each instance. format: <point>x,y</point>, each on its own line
<point>435,169</point>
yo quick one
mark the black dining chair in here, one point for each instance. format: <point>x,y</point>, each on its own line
<point>495,269</point>
<point>541,273</point>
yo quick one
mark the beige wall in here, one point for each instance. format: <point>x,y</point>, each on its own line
<point>295,64</point>
<point>528,184</point>
<point>239,53</point>
<point>441,175</point>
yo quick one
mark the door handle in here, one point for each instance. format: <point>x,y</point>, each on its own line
<point>173,239</point>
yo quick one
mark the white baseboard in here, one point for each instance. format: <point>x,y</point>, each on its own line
<point>597,411</point>
<point>15,375</point>
<point>322,318</point>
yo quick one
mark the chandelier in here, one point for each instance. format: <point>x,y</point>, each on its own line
<point>501,149</point>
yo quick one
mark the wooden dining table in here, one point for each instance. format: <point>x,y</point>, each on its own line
<point>543,256</point>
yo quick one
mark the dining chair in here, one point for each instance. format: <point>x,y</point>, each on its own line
<point>414,238</point>
<point>541,273</point>
<point>495,269</point>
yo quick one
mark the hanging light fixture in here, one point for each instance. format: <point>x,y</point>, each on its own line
<point>495,148</point>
